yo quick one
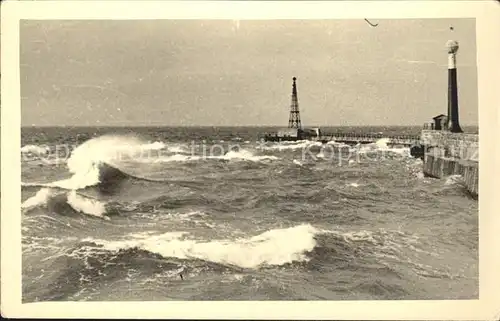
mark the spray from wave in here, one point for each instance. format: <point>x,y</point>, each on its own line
<point>99,163</point>
<point>95,163</point>
<point>381,145</point>
<point>65,202</point>
<point>88,160</point>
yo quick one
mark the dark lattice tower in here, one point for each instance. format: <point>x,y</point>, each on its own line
<point>294,121</point>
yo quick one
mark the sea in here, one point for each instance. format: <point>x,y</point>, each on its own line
<point>215,213</point>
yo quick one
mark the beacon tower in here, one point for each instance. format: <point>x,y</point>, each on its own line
<point>453,124</point>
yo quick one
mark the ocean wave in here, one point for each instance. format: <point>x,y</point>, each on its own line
<point>154,146</point>
<point>97,163</point>
<point>291,145</point>
<point>40,198</point>
<point>105,178</point>
<point>92,165</point>
<point>381,145</point>
<point>304,244</point>
<point>377,288</point>
<point>85,160</point>
<point>274,247</point>
<point>333,149</point>
<point>242,155</point>
<point>179,149</point>
<point>381,247</point>
<point>65,202</point>
<point>94,262</point>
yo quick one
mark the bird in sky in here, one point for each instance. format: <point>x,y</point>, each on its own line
<point>371,24</point>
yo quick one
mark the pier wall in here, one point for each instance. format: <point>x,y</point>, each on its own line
<point>446,144</point>
<point>449,153</point>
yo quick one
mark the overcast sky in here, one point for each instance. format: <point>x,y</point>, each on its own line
<point>239,73</point>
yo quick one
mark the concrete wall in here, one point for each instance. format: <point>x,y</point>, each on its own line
<point>452,154</point>
<point>446,144</point>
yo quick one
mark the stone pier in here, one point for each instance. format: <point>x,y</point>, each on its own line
<point>447,153</point>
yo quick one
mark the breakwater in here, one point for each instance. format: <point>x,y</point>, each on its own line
<point>354,138</point>
<point>446,153</point>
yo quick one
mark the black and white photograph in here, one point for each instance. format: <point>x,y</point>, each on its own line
<point>248,159</point>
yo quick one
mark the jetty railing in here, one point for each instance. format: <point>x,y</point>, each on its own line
<point>406,140</point>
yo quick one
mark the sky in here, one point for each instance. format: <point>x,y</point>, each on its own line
<point>239,73</point>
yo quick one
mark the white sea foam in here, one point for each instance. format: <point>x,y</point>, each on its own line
<point>77,202</point>
<point>356,236</point>
<point>453,179</point>
<point>154,146</point>
<point>86,205</point>
<point>403,151</point>
<point>420,175</point>
<point>188,215</point>
<point>85,161</point>
<point>247,155</point>
<point>381,145</point>
<point>242,154</point>
<point>274,247</point>
<point>107,149</point>
<point>85,165</point>
<point>194,217</point>
<point>40,198</point>
<point>177,149</point>
<point>292,145</point>
<point>34,149</point>
<point>336,144</point>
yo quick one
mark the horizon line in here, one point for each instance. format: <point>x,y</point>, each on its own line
<point>222,126</point>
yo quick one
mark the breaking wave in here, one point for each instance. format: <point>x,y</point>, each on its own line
<point>242,154</point>
<point>97,162</point>
<point>98,165</point>
<point>292,145</point>
<point>65,202</point>
<point>301,244</point>
<point>274,247</point>
<point>378,146</point>
<point>381,145</point>
<point>94,164</point>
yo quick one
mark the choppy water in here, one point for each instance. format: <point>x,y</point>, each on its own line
<point>125,216</point>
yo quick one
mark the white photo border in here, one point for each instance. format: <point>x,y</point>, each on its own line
<point>487,15</point>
